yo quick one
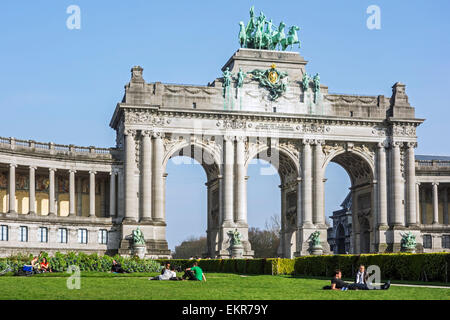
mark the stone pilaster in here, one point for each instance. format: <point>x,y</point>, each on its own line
<point>228,180</point>
<point>146,176</point>
<point>398,218</point>
<point>306,184</point>
<point>157,177</point>
<point>319,212</point>
<point>411,185</point>
<point>130,181</point>
<point>241,199</point>
<point>382,185</point>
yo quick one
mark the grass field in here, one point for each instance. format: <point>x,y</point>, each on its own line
<point>98,286</point>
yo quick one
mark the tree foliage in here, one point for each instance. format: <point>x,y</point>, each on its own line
<point>190,248</point>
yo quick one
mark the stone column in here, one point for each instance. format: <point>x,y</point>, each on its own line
<point>382,185</point>
<point>146,176</point>
<point>112,194</point>
<point>411,184</point>
<point>399,217</point>
<point>241,200</point>
<point>418,202</point>
<point>445,198</point>
<point>12,188</point>
<point>51,193</point>
<point>319,213</point>
<point>228,181</point>
<point>72,211</point>
<point>435,203</point>
<point>306,184</point>
<point>157,177</point>
<point>130,181</point>
<point>32,190</point>
<point>92,193</point>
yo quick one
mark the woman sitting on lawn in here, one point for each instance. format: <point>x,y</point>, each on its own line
<point>45,267</point>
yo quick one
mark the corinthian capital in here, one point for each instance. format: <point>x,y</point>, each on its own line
<point>319,142</point>
<point>228,138</point>
<point>411,144</point>
<point>130,132</point>
<point>157,134</point>
<point>147,133</point>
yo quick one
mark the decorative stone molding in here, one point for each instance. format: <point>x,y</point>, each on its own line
<point>406,131</point>
<point>145,117</point>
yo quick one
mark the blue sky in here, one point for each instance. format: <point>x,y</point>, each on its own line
<point>62,85</point>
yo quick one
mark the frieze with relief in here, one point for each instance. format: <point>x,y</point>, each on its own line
<point>142,117</point>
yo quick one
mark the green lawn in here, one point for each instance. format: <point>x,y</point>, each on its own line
<point>218,286</point>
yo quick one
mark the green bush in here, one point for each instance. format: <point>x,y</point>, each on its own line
<point>93,262</point>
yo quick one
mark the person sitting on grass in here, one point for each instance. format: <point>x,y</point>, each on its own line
<point>45,267</point>
<point>338,284</point>
<point>166,267</point>
<point>117,268</point>
<point>195,273</point>
<point>167,274</point>
<point>35,264</point>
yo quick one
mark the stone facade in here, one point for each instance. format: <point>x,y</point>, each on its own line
<point>223,128</point>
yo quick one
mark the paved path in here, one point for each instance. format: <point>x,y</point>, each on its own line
<point>418,286</point>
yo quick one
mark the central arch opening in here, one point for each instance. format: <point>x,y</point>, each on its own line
<point>272,187</point>
<point>349,182</point>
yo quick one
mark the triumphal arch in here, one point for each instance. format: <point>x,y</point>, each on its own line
<point>264,106</point>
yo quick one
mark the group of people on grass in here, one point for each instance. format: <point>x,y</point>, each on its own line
<point>38,264</point>
<point>194,273</point>
<point>361,282</point>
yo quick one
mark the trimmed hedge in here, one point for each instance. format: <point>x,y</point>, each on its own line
<point>93,262</point>
<point>395,266</point>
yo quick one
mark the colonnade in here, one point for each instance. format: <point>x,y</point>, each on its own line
<point>74,207</point>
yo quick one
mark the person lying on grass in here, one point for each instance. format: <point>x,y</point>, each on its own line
<point>117,268</point>
<point>195,273</point>
<point>338,284</point>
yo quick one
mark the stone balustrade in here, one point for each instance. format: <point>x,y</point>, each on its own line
<point>31,146</point>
